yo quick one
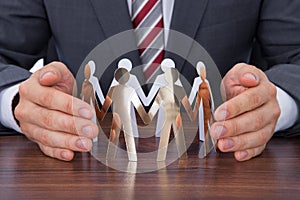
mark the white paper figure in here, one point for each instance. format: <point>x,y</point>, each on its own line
<point>160,82</point>
<point>197,81</point>
<point>95,82</point>
<point>171,96</point>
<point>134,83</point>
<point>122,97</point>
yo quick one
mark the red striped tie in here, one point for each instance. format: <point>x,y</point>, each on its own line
<point>148,23</point>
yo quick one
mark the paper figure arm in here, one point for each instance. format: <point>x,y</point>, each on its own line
<point>153,91</point>
<point>99,92</point>
<point>155,106</point>
<point>134,83</point>
<point>187,106</point>
<point>140,109</point>
<point>106,104</point>
<point>212,108</point>
<point>197,82</point>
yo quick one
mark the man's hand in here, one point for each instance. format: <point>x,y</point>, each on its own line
<point>50,116</point>
<point>247,119</point>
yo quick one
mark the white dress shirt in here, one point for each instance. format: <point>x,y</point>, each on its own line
<point>288,106</point>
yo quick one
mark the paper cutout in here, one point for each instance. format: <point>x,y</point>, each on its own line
<point>122,97</point>
<point>88,92</point>
<point>171,96</point>
<point>167,93</point>
<point>204,100</point>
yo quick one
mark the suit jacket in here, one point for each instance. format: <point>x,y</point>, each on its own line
<point>226,29</point>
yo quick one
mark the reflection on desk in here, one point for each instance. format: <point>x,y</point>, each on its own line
<point>25,173</point>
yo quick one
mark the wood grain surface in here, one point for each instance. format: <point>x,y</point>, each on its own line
<point>25,173</point>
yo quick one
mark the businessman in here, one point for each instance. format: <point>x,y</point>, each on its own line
<point>258,102</point>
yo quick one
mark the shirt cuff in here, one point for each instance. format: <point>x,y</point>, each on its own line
<point>289,110</point>
<point>6,114</point>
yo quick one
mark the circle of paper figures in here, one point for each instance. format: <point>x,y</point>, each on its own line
<point>166,94</point>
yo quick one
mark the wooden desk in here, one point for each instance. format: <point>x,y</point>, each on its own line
<point>25,173</point>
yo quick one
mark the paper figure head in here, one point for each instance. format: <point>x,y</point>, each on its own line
<point>87,71</point>
<point>125,63</point>
<point>122,76</point>
<point>167,63</point>
<point>201,70</point>
<point>92,66</point>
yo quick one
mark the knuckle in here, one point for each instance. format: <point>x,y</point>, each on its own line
<point>47,119</point>
<point>241,65</point>
<point>68,143</point>
<point>67,123</point>
<point>239,143</point>
<point>69,105</point>
<point>19,112</point>
<point>47,99</point>
<point>44,138</point>
<point>24,129</point>
<point>264,137</point>
<point>232,127</point>
<point>256,99</point>
<point>277,112</point>
<point>23,89</point>
<point>258,122</point>
<point>57,64</point>
<point>46,150</point>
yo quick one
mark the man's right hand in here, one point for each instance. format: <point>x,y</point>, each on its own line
<point>50,116</point>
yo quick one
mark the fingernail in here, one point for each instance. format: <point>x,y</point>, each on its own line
<point>228,143</point>
<point>221,115</point>
<point>243,155</point>
<point>86,113</point>
<point>250,76</point>
<point>88,131</point>
<point>219,132</point>
<point>82,144</point>
<point>64,155</point>
<point>44,75</point>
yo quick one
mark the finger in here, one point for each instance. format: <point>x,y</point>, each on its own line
<point>58,121</point>
<point>56,139</point>
<point>56,74</point>
<point>61,154</point>
<point>54,99</point>
<point>247,140</point>
<point>241,77</point>
<point>247,122</point>
<point>249,153</point>
<point>244,102</point>
<point>244,75</point>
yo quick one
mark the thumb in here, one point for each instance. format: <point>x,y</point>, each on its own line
<point>249,79</point>
<point>241,77</point>
<point>49,78</point>
<point>57,75</point>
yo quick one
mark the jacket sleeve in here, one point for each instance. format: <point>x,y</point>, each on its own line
<point>279,35</point>
<point>24,35</point>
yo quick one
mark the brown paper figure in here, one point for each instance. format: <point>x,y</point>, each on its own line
<point>122,96</point>
<point>88,92</point>
<point>171,96</point>
<point>204,100</point>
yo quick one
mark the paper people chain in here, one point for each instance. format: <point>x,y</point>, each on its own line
<point>167,94</point>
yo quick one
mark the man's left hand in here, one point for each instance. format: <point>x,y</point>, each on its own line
<point>247,119</point>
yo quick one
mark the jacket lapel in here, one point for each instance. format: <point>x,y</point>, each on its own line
<point>186,19</point>
<point>114,18</point>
